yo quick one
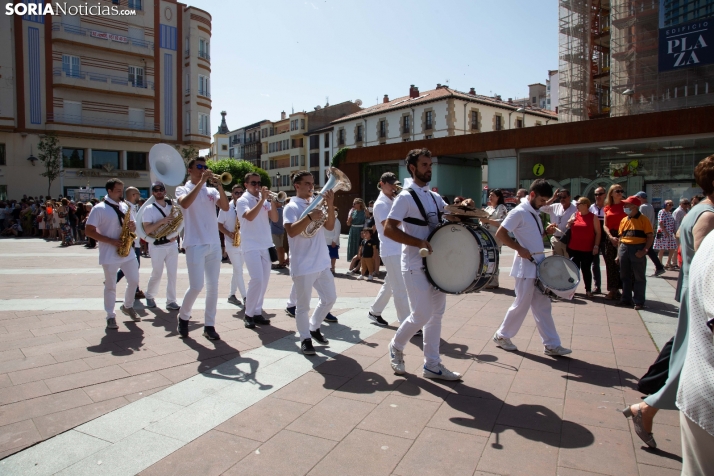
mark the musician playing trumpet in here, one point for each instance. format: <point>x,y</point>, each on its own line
<point>309,259</point>
<point>202,243</point>
<point>163,251</point>
<point>230,227</point>
<point>105,224</point>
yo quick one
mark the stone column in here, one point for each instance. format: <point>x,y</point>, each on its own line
<point>89,158</point>
<point>123,160</point>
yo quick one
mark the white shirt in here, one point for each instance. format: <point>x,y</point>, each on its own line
<point>152,215</point>
<point>599,211</point>
<point>199,220</point>
<point>382,206</point>
<point>559,215</point>
<point>228,219</point>
<point>524,222</point>
<point>255,235</point>
<point>134,211</point>
<point>678,216</point>
<point>105,220</point>
<point>405,207</point>
<point>307,255</point>
<point>333,235</point>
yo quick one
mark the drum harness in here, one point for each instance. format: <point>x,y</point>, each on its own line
<point>425,221</point>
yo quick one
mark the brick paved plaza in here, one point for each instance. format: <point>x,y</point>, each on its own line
<point>76,399</point>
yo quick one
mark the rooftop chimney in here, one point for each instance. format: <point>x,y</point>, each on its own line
<point>510,100</point>
<point>282,115</point>
<point>498,97</point>
<point>438,85</point>
<point>413,92</point>
<point>386,99</point>
<point>472,91</point>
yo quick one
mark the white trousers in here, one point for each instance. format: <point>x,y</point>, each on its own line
<point>258,264</point>
<point>324,283</point>
<point>237,283</point>
<point>163,255</point>
<point>393,286</point>
<point>203,262</point>
<point>293,297</point>
<point>528,297</point>
<point>131,272</point>
<point>427,309</point>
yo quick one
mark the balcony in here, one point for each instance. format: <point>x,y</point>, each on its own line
<point>105,82</point>
<point>204,55</point>
<point>93,121</point>
<point>204,93</point>
<point>94,37</point>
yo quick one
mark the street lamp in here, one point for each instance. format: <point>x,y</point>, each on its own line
<point>277,176</point>
<point>522,110</point>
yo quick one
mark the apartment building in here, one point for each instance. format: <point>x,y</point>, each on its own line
<point>110,87</point>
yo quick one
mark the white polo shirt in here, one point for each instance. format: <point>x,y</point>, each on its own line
<point>382,206</point>
<point>404,207</point>
<point>228,219</point>
<point>200,223</point>
<point>255,235</point>
<point>559,215</point>
<point>524,222</point>
<point>152,215</point>
<point>106,221</point>
<point>307,255</point>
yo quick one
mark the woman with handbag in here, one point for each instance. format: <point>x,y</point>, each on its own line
<point>584,243</point>
<point>614,213</point>
<point>665,239</point>
<point>497,211</point>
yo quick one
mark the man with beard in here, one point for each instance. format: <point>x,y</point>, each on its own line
<point>525,224</point>
<point>414,214</point>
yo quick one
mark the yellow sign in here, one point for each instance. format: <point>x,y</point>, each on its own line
<point>538,170</point>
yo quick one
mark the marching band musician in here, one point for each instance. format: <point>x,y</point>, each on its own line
<point>228,221</point>
<point>525,224</point>
<point>418,211</point>
<point>253,212</point>
<point>391,253</point>
<point>202,244</point>
<point>131,198</point>
<point>104,225</point>
<point>163,251</point>
<point>309,260</point>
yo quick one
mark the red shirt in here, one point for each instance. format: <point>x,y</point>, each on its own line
<point>582,232</point>
<point>613,216</point>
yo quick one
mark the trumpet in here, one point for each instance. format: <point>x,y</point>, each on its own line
<point>225,178</point>
<point>280,196</point>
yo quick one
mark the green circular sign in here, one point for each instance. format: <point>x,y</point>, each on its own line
<point>538,170</point>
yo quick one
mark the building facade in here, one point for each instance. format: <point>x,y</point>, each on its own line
<point>110,87</point>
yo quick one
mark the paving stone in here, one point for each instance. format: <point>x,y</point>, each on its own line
<point>595,410</point>
<point>589,447</point>
<point>55,423</point>
<point>520,451</point>
<point>47,372</point>
<point>333,418</point>
<point>126,386</point>
<point>475,416</point>
<point>26,409</point>
<point>263,420</point>
<point>457,454</point>
<point>546,384</point>
<point>532,411</point>
<point>399,416</point>
<point>668,453</point>
<point>23,392</point>
<point>53,347</point>
<point>310,388</point>
<point>18,435</point>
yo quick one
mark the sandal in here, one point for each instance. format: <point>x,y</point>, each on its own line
<point>648,438</point>
<point>588,294</point>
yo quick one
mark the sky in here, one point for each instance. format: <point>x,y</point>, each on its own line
<point>278,55</point>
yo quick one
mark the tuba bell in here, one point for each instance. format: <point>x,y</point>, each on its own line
<point>166,165</point>
<point>338,181</point>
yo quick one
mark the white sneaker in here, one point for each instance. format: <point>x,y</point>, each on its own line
<point>360,277</point>
<point>504,343</point>
<point>560,350</point>
<point>396,358</point>
<point>370,278</point>
<point>440,372</point>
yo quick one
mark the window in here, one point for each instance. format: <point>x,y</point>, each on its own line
<point>341,137</point>
<point>224,147</point>
<point>264,132</point>
<point>187,45</point>
<point>3,192</point>
<point>203,125</point>
<point>302,161</point>
<point>231,153</point>
<point>136,118</point>
<point>327,139</point>
<point>204,86</point>
<point>70,66</point>
<point>188,83</point>
<point>534,100</point>
<point>315,159</point>
<point>405,128</point>
<point>136,160</point>
<point>359,133</point>
<point>203,49</point>
<point>294,161</point>
<point>519,123</point>
<point>72,158</point>
<point>136,77</point>
<point>72,112</point>
<point>188,122</point>
<point>2,155</point>
<point>105,159</point>
<point>135,4</point>
<point>327,159</point>
<point>382,128</point>
<point>499,123</point>
<point>302,123</point>
<point>474,120</point>
<point>428,124</point>
<point>314,142</point>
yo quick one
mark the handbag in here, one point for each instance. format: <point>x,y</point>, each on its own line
<point>273,254</point>
<point>565,239</point>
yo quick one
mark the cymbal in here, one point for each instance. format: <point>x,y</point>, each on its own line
<point>465,211</point>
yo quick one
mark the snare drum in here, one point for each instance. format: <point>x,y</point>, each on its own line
<point>557,276</point>
<point>464,258</point>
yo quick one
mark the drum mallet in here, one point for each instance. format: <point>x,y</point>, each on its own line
<point>423,252</point>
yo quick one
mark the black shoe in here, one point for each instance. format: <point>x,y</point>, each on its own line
<point>249,322</point>
<point>330,318</point>
<point>419,333</point>
<point>597,291</point>
<point>210,333</point>
<point>317,335</point>
<point>378,320</point>
<point>290,311</point>
<point>183,328</point>
<point>261,320</point>
<point>307,348</point>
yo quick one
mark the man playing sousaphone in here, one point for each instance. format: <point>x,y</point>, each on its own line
<point>104,224</point>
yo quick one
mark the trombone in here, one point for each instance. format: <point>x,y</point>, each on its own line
<point>280,196</point>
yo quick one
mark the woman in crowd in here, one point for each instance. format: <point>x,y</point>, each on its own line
<point>665,239</point>
<point>614,213</point>
<point>80,213</point>
<point>497,211</point>
<point>584,242</point>
<point>88,208</point>
<point>694,228</point>
<point>50,214</point>
<point>27,220</point>
<point>355,220</point>
<point>333,243</point>
<point>62,212</point>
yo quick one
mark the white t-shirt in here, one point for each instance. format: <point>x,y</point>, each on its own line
<point>134,210</point>
<point>333,235</point>
<point>106,221</point>
<point>559,215</point>
<point>255,235</point>
<point>524,222</point>
<point>228,219</point>
<point>307,255</point>
<point>382,206</point>
<point>152,215</point>
<point>199,220</point>
<point>405,207</point>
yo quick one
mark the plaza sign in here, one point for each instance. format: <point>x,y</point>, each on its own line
<point>107,173</point>
<point>686,45</point>
<point>108,36</point>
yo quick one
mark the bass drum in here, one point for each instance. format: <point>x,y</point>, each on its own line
<point>464,258</point>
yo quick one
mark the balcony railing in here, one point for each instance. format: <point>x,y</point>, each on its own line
<point>83,120</point>
<point>204,55</point>
<point>75,30</point>
<point>103,78</point>
<point>204,93</point>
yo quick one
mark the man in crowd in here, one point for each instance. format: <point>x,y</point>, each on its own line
<point>636,238</point>
<point>277,232</point>
<point>648,211</point>
<point>680,212</point>
<point>598,209</point>
<point>560,212</point>
<point>228,225</point>
<point>132,197</point>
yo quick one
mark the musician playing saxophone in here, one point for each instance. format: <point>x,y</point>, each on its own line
<point>105,224</point>
<point>309,260</point>
<point>163,251</point>
<point>228,225</point>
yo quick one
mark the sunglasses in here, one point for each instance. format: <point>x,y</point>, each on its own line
<point>598,194</point>
<point>237,192</point>
<point>201,167</point>
<point>618,191</point>
<point>158,189</point>
<point>254,183</point>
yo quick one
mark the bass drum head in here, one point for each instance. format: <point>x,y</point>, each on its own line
<point>559,275</point>
<point>455,264</point>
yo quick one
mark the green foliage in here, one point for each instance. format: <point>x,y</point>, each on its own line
<point>339,157</point>
<point>189,153</point>
<point>238,169</point>
<point>50,154</point>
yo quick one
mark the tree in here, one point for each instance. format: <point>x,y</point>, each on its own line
<point>189,153</point>
<point>238,169</point>
<point>50,154</point>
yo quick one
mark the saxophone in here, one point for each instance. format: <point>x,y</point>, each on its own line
<point>236,235</point>
<point>127,236</point>
<point>172,226</point>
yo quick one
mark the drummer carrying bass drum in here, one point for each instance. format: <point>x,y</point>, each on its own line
<point>418,210</point>
<point>525,224</point>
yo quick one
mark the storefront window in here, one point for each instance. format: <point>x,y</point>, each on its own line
<point>105,159</point>
<point>136,160</point>
<point>72,158</point>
